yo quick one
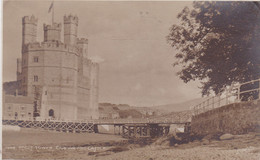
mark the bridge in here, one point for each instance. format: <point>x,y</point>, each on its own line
<point>126,127</point>
<point>143,127</point>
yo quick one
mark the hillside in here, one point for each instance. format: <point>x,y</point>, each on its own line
<point>108,110</point>
<point>176,111</point>
<point>182,116</point>
<point>184,106</point>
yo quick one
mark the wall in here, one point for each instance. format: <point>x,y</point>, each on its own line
<point>56,69</point>
<point>17,107</point>
<point>83,90</point>
<point>59,75</point>
<point>94,83</point>
<point>237,118</point>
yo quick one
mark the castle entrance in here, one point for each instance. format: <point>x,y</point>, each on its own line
<point>51,113</point>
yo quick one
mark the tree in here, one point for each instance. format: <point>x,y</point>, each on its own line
<point>217,43</point>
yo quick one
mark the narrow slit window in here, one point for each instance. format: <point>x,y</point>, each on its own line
<point>35,78</point>
<point>36,59</point>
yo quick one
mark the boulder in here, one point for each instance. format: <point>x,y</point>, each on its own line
<point>205,141</point>
<point>226,136</point>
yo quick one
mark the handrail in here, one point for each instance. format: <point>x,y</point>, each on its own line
<point>249,82</point>
<point>102,122</point>
<point>229,97</point>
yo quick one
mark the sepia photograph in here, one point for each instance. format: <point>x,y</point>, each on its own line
<point>130,80</point>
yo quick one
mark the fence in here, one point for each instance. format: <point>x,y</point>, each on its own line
<point>104,122</point>
<point>54,125</point>
<point>235,93</point>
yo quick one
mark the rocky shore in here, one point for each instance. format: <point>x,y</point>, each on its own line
<point>17,145</point>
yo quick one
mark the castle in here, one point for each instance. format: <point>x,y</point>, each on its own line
<point>60,77</point>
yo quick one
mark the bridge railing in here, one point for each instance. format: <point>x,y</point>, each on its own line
<point>102,121</point>
<point>235,93</point>
<point>136,121</point>
<point>49,120</point>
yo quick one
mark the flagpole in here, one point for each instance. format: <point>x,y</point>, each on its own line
<point>53,13</point>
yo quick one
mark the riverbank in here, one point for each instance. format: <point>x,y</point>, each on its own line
<point>42,144</point>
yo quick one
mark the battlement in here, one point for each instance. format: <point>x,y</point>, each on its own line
<point>71,19</point>
<point>30,20</point>
<point>94,64</point>
<point>90,62</point>
<point>58,46</point>
<point>55,26</point>
<point>87,61</point>
<point>82,41</point>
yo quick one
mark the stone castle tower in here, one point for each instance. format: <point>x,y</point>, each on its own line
<point>59,75</point>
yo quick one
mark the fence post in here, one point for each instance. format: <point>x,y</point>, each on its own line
<point>226,97</point>
<point>207,104</point>
<point>219,100</point>
<point>213,102</point>
<point>203,106</point>
<point>238,93</point>
<point>258,88</point>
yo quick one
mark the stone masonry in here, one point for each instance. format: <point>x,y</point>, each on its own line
<point>59,75</point>
<point>236,118</point>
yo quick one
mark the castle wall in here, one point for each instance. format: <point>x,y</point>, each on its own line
<point>94,76</point>
<point>19,74</point>
<point>58,75</point>
<point>24,75</point>
<point>34,69</point>
<point>83,91</point>
<point>19,66</point>
<point>56,68</point>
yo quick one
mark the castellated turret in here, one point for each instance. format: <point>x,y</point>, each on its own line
<point>29,29</point>
<point>52,32</point>
<point>83,45</point>
<point>70,29</point>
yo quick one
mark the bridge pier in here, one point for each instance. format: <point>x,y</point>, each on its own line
<point>144,130</point>
<point>95,128</point>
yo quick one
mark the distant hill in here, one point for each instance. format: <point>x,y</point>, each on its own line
<point>169,111</point>
<point>182,116</point>
<point>130,113</point>
<point>122,110</point>
<point>184,106</point>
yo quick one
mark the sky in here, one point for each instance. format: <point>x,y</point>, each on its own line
<point>128,39</point>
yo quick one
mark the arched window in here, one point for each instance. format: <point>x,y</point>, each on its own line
<point>51,113</point>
